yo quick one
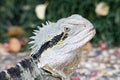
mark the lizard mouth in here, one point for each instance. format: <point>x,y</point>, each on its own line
<point>88,35</point>
<point>92,29</point>
<point>81,36</point>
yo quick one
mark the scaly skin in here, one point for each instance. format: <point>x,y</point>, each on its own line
<point>57,45</point>
<point>26,70</point>
<point>55,51</point>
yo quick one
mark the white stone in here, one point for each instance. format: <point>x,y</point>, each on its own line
<point>89,65</point>
<point>112,57</point>
<point>102,66</point>
<point>105,53</point>
<point>111,51</point>
<point>112,61</point>
<point>95,65</point>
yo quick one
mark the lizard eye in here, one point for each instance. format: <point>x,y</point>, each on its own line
<point>66,29</point>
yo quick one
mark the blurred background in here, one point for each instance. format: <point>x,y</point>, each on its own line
<point>18,19</point>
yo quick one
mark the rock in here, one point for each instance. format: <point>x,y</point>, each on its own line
<point>88,47</point>
<point>118,62</point>
<point>1,45</point>
<point>105,53</point>
<point>82,71</point>
<point>6,46</point>
<point>93,74</point>
<point>89,65</point>
<point>112,57</point>
<point>95,65</point>
<point>103,46</point>
<point>106,59</point>
<point>108,65</point>
<point>75,78</point>
<point>113,62</point>
<point>92,53</point>
<point>2,49</point>
<point>14,45</point>
<point>117,53</point>
<point>102,66</point>
<point>82,63</point>
<point>111,51</point>
<point>15,31</point>
<point>100,58</point>
<point>98,52</point>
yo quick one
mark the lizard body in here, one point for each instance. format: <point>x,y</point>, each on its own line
<point>59,49</point>
<point>56,50</point>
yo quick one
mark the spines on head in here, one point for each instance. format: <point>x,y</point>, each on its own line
<point>72,25</point>
<point>49,30</point>
<point>39,36</point>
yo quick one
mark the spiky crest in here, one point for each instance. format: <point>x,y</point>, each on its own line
<point>38,39</point>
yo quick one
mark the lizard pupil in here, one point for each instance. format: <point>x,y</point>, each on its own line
<point>66,29</point>
<point>49,44</point>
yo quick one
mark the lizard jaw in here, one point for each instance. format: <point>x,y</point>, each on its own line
<point>78,41</point>
<point>88,36</point>
<point>85,34</point>
<point>82,41</point>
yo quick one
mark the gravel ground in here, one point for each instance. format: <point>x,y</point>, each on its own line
<point>99,65</point>
<point>95,65</point>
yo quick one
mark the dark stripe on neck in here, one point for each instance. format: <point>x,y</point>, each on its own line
<point>48,44</point>
<point>65,36</point>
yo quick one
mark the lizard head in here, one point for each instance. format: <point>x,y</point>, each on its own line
<point>66,34</point>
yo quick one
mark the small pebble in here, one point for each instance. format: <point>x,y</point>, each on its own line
<point>75,78</point>
<point>112,57</point>
<point>103,46</point>
<point>105,53</point>
<point>102,66</point>
<point>111,51</point>
<point>93,74</point>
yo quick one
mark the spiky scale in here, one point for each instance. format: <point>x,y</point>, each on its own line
<point>33,37</point>
<point>31,42</point>
<point>34,33</point>
<point>47,23</point>
<point>43,24</point>
<point>38,27</point>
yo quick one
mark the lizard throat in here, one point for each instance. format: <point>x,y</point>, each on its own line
<point>49,44</point>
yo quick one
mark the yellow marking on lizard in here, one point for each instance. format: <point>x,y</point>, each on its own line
<point>58,43</point>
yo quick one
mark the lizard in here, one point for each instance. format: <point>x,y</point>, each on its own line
<point>55,52</point>
<point>58,50</point>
